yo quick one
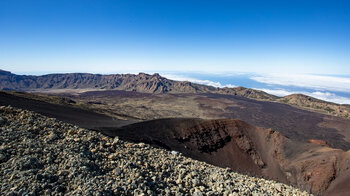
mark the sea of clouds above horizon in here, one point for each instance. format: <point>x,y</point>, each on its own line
<point>328,88</point>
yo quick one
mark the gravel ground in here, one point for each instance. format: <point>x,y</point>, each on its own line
<point>43,156</point>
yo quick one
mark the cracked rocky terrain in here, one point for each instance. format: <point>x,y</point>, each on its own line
<point>43,156</point>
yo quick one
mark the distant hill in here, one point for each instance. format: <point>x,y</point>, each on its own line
<point>305,101</point>
<point>142,82</point>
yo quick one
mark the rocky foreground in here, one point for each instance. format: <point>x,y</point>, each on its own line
<point>43,156</point>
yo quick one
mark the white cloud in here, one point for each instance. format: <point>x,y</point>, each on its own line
<point>278,92</point>
<point>230,86</point>
<point>194,80</point>
<point>327,96</point>
<point>330,83</point>
<point>307,81</point>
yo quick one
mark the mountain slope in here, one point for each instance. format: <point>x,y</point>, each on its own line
<point>128,82</point>
<point>64,112</point>
<point>43,156</point>
<point>311,166</point>
<point>308,102</point>
<point>293,122</point>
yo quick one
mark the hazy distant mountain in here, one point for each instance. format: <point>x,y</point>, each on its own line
<point>129,82</point>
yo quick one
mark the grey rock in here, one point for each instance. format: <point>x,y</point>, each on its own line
<point>3,157</point>
<point>2,121</point>
<point>198,193</point>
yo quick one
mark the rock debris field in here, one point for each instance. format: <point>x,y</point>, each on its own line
<point>43,156</point>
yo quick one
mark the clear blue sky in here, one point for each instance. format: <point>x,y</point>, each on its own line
<point>180,35</point>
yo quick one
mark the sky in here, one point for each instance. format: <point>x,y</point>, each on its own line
<point>282,37</point>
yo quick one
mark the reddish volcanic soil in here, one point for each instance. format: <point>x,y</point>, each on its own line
<point>248,149</point>
<point>208,141</point>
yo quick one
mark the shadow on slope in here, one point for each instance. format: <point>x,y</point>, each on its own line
<point>247,149</point>
<point>80,117</point>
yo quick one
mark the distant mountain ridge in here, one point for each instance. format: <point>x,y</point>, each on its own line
<point>146,83</point>
<point>142,82</point>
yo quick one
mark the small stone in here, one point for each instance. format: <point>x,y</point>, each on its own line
<point>178,181</point>
<point>196,182</point>
<point>198,193</point>
<point>3,158</point>
<point>115,141</point>
<point>52,136</point>
<point>278,187</point>
<point>128,145</point>
<point>2,121</point>
<point>71,132</point>
<point>117,171</point>
<point>141,145</point>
